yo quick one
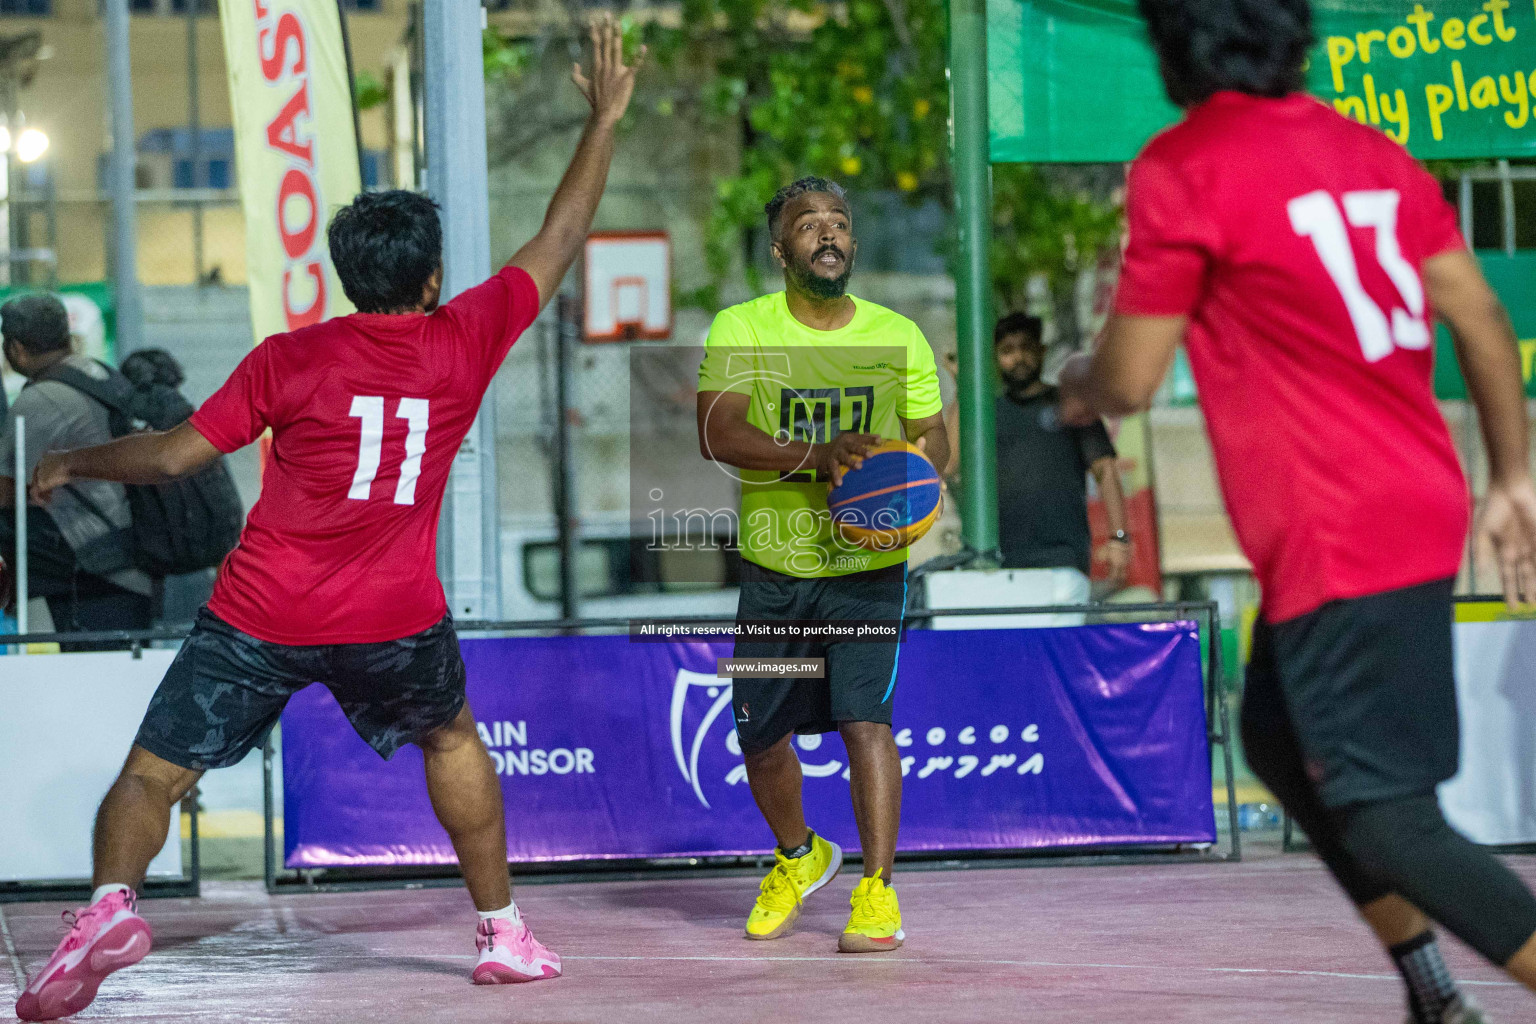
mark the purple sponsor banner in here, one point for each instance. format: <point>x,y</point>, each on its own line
<point>1023,738</point>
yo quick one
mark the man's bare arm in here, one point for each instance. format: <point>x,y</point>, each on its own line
<point>726,435</point>
<point>136,459</point>
<point>1124,371</point>
<point>930,434</point>
<point>1488,352</point>
<point>1489,356</point>
<point>1115,553</point>
<point>1106,472</point>
<point>550,253</point>
<point>952,435</point>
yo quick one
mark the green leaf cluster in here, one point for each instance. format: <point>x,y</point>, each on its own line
<point>368,90</point>
<point>506,59</point>
<point>858,91</point>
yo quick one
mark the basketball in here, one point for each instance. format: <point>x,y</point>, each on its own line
<point>889,501</point>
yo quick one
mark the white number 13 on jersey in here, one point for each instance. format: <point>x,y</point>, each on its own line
<point>370,409</point>
<point>1316,216</point>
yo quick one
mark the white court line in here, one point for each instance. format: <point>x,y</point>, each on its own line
<point>1044,963</point>
<point>286,914</point>
<point>191,951</point>
<point>10,951</point>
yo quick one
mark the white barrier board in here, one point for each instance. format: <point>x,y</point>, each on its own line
<point>66,723</point>
<point>1006,588</point>
<point>1493,798</point>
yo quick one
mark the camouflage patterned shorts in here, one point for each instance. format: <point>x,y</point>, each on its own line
<point>225,691</point>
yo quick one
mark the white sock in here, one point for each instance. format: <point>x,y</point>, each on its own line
<point>506,913</point>
<point>103,891</point>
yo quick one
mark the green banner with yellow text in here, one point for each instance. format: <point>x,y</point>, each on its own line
<point>1076,80</point>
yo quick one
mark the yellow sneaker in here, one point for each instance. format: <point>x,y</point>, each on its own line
<point>875,925</point>
<point>787,886</point>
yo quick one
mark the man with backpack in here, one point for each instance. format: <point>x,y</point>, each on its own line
<point>100,551</point>
<point>80,545</point>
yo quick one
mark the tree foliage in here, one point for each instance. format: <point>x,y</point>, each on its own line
<point>859,92</point>
<point>856,91</point>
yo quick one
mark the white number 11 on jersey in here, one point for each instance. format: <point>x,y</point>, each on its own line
<point>370,409</point>
<point>1316,216</point>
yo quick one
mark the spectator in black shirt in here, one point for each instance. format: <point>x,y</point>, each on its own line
<point>1042,469</point>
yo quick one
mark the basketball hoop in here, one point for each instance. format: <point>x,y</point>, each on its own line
<point>628,284</point>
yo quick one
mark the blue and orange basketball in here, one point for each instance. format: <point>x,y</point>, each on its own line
<point>889,501</point>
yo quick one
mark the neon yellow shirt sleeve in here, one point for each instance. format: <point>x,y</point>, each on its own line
<point>921,396</point>
<point>729,356</point>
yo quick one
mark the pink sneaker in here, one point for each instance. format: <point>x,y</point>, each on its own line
<point>509,953</point>
<point>104,937</point>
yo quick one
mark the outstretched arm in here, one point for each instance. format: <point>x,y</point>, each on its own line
<point>135,459</point>
<point>551,252</point>
<point>1490,361</point>
<point>1123,372</point>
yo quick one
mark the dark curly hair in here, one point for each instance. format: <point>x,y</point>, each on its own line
<point>386,246</point>
<point>37,322</point>
<point>1207,46</point>
<point>1032,327</point>
<point>794,190</point>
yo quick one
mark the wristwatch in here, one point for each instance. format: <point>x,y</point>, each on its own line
<point>1121,536</point>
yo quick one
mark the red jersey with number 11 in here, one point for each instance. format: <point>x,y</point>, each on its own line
<point>367,413</point>
<point>1293,238</point>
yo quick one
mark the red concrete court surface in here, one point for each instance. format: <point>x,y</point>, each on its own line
<point>1265,941</point>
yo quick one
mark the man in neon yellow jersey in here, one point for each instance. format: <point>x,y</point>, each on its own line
<point>795,388</point>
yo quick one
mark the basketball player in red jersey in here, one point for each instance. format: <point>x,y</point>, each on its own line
<point>335,576</point>
<point>1302,259</point>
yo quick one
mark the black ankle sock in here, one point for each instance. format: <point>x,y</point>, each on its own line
<point>1430,986</point>
<point>801,850</point>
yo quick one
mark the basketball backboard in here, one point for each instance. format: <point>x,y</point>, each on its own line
<point>628,283</point>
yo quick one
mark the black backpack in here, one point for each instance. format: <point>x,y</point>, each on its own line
<point>179,527</point>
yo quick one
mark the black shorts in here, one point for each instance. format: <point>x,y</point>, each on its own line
<point>1369,686</point>
<point>860,677</point>
<point>226,690</point>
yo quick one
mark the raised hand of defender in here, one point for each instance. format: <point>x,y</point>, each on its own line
<point>612,83</point>
<point>1508,522</point>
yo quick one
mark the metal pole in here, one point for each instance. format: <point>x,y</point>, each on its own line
<point>22,597</point>
<point>51,215</point>
<point>1464,201</point>
<point>565,504</point>
<point>969,139</point>
<point>268,814</point>
<point>125,225</point>
<point>195,149</point>
<point>1468,434</point>
<point>7,166</point>
<point>470,537</point>
<point>1507,205</point>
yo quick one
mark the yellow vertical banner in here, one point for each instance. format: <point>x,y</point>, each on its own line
<point>295,150</point>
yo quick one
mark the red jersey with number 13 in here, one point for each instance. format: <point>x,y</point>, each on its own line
<point>367,413</point>
<point>1293,239</point>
